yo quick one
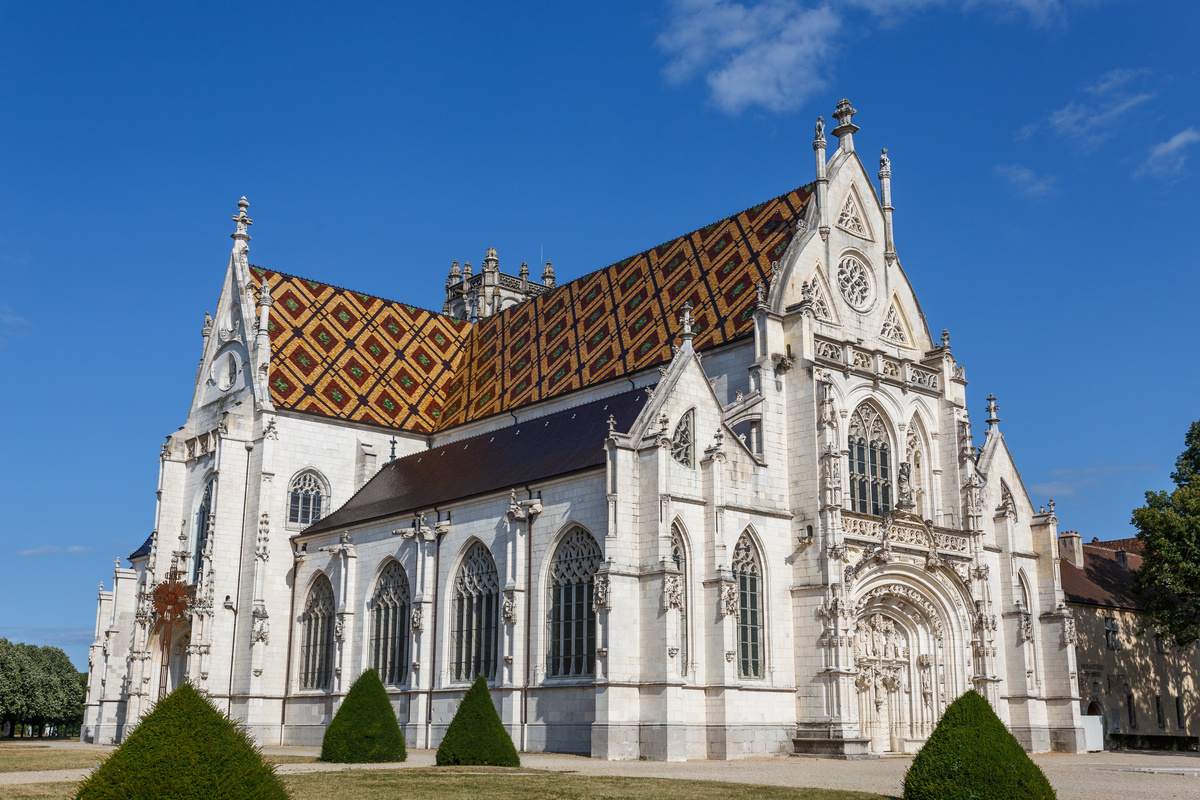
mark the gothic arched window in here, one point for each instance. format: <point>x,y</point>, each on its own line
<point>683,441</point>
<point>572,618</point>
<point>748,575</point>
<point>306,498</point>
<point>679,556</point>
<point>391,611</point>
<point>204,523</point>
<point>476,621</point>
<point>870,463</point>
<point>316,647</point>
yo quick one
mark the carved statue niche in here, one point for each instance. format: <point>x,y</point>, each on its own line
<point>904,487</point>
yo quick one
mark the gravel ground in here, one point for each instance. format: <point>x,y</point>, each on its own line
<point>1127,775</point>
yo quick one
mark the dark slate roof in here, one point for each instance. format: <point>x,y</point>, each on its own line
<point>557,444</point>
<point>144,550</point>
<point>1102,581</point>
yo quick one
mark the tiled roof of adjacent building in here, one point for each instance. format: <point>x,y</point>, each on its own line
<point>556,444</point>
<point>1133,545</point>
<point>1103,580</point>
<point>354,356</point>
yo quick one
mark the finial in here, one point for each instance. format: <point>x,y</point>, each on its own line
<point>466,271</point>
<point>885,165</point>
<point>612,423</point>
<point>117,561</point>
<point>846,129</point>
<point>490,261</point>
<point>992,408</point>
<point>208,324</point>
<point>945,337</point>
<point>523,272</point>
<point>548,274</point>
<point>264,297</point>
<point>393,458</point>
<point>455,270</point>
<point>242,221</point>
<point>102,586</point>
<point>685,321</point>
<point>1051,506</point>
<point>761,292</point>
<point>819,134</point>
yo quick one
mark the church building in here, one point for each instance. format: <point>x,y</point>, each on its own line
<point>722,498</point>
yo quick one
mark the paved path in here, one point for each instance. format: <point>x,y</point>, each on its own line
<point>1127,775</point>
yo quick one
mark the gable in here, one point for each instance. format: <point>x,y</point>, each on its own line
<point>353,356</point>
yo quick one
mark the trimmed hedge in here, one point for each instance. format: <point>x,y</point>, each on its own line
<point>476,736</point>
<point>184,749</point>
<point>365,729</point>
<point>972,756</point>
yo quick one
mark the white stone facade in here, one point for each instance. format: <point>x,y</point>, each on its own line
<point>871,622</point>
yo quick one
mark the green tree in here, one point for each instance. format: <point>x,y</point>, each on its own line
<point>365,729</point>
<point>1169,530</point>
<point>185,749</point>
<point>476,735</point>
<point>38,686</point>
<point>972,756</point>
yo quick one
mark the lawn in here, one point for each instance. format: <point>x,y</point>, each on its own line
<point>481,783</point>
<point>24,758</point>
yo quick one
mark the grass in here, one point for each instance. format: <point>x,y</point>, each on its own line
<point>23,758</point>
<point>482,783</point>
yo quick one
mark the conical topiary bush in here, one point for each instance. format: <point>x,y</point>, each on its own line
<point>476,736</point>
<point>364,730</point>
<point>186,750</point>
<point>972,756</point>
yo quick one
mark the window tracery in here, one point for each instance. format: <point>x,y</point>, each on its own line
<point>316,650</point>
<point>390,616</point>
<point>893,327</point>
<point>679,556</point>
<point>572,613</point>
<point>870,462</point>
<point>683,441</point>
<point>854,282</point>
<point>306,499</point>
<point>204,523</point>
<point>476,620</point>
<point>850,218</point>
<point>819,304</point>
<point>747,574</point>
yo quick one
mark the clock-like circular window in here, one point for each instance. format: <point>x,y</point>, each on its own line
<point>227,372</point>
<point>854,281</point>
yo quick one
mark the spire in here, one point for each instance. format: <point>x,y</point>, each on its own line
<point>885,195</point>
<point>846,129</point>
<point>822,181</point>
<point>466,270</point>
<point>993,421</point>
<point>491,263</point>
<point>242,221</point>
<point>548,275</point>
<point>455,271</point>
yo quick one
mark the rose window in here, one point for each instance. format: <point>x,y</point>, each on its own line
<point>854,282</point>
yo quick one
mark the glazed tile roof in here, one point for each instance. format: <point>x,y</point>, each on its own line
<point>353,356</point>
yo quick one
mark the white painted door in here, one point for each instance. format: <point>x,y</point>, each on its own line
<point>1093,733</point>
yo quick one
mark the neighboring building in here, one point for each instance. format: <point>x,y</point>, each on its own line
<point>721,498</point>
<point>1144,690</point>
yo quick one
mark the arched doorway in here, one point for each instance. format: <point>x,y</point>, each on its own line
<point>177,661</point>
<point>908,630</point>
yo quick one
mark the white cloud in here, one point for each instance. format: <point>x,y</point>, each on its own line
<point>52,549</point>
<point>1167,159</point>
<point>1100,476</point>
<point>12,324</point>
<point>1026,180</point>
<point>53,636</point>
<point>767,55</point>
<point>774,53</point>
<point>1089,123</point>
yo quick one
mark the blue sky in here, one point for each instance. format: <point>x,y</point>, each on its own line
<point>1044,155</point>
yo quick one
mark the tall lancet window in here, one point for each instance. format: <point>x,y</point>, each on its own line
<point>572,618</point>
<point>306,498</point>
<point>748,575</point>
<point>870,463</point>
<point>391,610</point>
<point>679,556</point>
<point>476,616</point>
<point>204,516</point>
<point>316,644</point>
<point>683,441</point>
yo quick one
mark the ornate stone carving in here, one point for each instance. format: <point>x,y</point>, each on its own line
<point>729,599</point>
<point>893,328</point>
<point>854,281</point>
<point>508,611</point>
<point>262,545</point>
<point>416,625</point>
<point>339,628</point>
<point>730,655</point>
<point>829,351</point>
<point>1026,631</point>
<point>1070,636</point>
<point>910,595</point>
<point>600,591</point>
<point>672,592</point>
<point>672,652</point>
<point>904,486</point>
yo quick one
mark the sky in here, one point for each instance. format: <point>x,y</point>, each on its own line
<point>1044,154</point>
